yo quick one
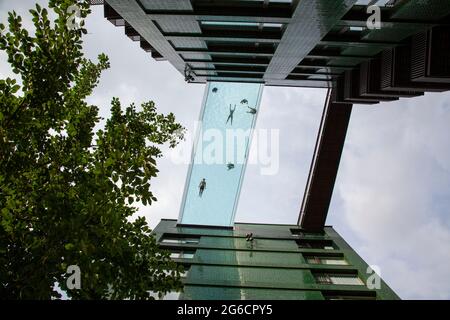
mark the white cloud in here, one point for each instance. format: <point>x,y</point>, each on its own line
<point>393,174</point>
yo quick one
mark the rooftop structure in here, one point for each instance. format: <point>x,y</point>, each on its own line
<point>283,42</point>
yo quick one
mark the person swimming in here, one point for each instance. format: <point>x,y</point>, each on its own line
<point>252,110</point>
<point>230,116</point>
<point>244,101</point>
<point>215,90</point>
<point>230,166</point>
<point>201,187</point>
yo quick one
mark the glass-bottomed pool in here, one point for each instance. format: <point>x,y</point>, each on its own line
<point>220,152</point>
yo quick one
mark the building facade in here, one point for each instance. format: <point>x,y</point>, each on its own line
<point>274,262</point>
<point>315,43</point>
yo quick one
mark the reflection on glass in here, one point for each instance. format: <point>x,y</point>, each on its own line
<point>182,255</point>
<point>220,153</point>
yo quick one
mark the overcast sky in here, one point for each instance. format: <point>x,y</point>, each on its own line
<point>392,196</point>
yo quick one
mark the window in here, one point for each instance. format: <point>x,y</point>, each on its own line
<point>316,244</point>
<point>301,232</point>
<point>190,240</point>
<point>239,24</point>
<point>326,260</point>
<point>348,297</point>
<point>182,255</point>
<point>346,280</point>
<point>230,23</point>
<point>339,279</point>
<point>273,25</point>
<point>359,29</point>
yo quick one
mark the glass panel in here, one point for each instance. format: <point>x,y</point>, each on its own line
<point>180,240</point>
<point>367,2</point>
<point>187,255</point>
<point>325,260</point>
<point>342,297</point>
<point>356,28</point>
<point>313,260</point>
<point>327,244</point>
<point>335,261</point>
<point>182,255</point>
<point>272,25</point>
<point>171,241</point>
<point>346,280</point>
<point>220,153</point>
<point>241,24</point>
<point>230,23</point>
<point>323,279</point>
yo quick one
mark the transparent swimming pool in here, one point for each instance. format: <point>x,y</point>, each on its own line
<point>220,153</point>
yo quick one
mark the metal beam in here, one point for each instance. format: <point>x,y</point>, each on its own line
<point>210,17</point>
<point>325,164</point>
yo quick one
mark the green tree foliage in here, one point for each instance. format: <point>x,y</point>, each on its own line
<point>65,190</point>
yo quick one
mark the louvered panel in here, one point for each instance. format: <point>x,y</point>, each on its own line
<point>356,85</point>
<point>347,85</point>
<point>426,10</point>
<point>398,60</point>
<point>386,68</point>
<point>364,78</point>
<point>351,89</point>
<point>338,94</point>
<point>402,64</point>
<point>419,55</point>
<point>373,77</point>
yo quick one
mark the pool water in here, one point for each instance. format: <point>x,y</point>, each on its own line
<point>218,156</point>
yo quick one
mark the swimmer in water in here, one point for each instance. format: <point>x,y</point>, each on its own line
<point>201,187</point>
<point>230,116</point>
<point>252,110</point>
